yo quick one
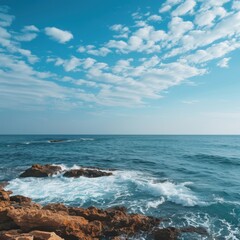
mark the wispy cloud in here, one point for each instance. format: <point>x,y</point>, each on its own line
<point>137,64</point>
<point>224,63</point>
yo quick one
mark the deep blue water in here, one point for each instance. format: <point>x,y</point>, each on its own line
<point>189,180</point>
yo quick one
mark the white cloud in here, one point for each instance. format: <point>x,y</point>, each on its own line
<point>206,18</point>
<point>227,27</point>
<point>155,18</point>
<point>26,37</point>
<point>58,35</point>
<point>215,51</point>
<point>146,59</point>
<point>6,19</point>
<point>184,8</point>
<point>167,5</point>
<point>224,63</point>
<point>69,64</point>
<point>30,28</point>
<point>91,49</point>
<point>236,5</point>
<point>122,31</point>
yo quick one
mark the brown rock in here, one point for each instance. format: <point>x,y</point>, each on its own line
<point>64,225</point>
<point>166,234</point>
<point>8,236</point>
<point>40,235</point>
<point>20,199</point>
<point>34,235</point>
<point>91,173</point>
<point>38,170</point>
<point>5,195</point>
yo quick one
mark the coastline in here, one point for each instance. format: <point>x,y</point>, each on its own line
<point>21,218</point>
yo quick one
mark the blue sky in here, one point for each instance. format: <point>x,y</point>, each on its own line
<point>120,67</point>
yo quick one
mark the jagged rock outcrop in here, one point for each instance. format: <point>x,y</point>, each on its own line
<point>22,219</point>
<point>90,173</point>
<point>38,170</point>
<point>48,170</point>
<point>25,217</point>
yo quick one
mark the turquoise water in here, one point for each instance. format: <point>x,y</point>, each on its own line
<point>187,180</point>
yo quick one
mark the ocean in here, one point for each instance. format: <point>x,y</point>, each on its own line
<point>186,180</point>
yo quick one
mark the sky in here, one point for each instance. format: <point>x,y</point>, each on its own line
<point>120,67</point>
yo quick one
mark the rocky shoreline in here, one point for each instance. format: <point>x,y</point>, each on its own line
<point>23,219</point>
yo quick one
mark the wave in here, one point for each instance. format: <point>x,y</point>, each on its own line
<point>118,189</point>
<point>55,141</point>
<point>215,159</point>
<point>216,227</point>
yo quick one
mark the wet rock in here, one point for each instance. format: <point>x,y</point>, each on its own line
<point>56,140</point>
<point>166,234</point>
<point>90,173</point>
<point>38,170</point>
<point>172,233</point>
<point>20,199</point>
<point>111,222</point>
<point>198,230</point>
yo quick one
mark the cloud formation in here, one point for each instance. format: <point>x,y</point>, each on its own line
<point>137,64</point>
<point>58,35</point>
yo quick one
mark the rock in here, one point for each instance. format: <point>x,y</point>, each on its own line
<point>20,199</point>
<point>40,235</point>
<point>62,224</point>
<point>3,184</point>
<point>111,222</point>
<point>91,173</point>
<point>56,140</point>
<point>38,170</point>
<point>34,235</point>
<point>15,235</point>
<point>198,230</point>
<point>5,195</point>
<point>170,233</point>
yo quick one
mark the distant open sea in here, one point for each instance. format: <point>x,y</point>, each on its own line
<point>187,180</point>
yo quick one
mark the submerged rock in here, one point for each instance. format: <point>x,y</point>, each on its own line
<point>172,233</point>
<point>56,140</point>
<point>90,173</point>
<point>38,170</point>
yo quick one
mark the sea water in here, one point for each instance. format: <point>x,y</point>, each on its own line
<point>186,180</point>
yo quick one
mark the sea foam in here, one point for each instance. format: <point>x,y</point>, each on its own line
<point>119,188</point>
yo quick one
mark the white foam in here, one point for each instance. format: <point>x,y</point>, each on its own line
<point>120,188</point>
<point>176,193</point>
<point>156,203</point>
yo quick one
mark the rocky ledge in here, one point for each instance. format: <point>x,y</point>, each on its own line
<point>22,219</point>
<point>48,170</point>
